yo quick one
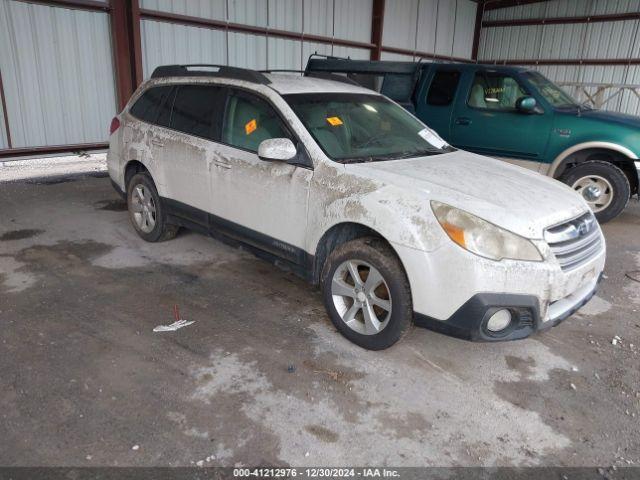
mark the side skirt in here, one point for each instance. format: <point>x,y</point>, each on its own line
<point>284,255</point>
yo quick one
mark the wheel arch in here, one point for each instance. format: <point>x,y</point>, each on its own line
<point>337,235</point>
<point>131,168</point>
<point>617,154</point>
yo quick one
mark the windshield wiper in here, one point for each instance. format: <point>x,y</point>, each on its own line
<point>396,156</point>
<point>416,153</point>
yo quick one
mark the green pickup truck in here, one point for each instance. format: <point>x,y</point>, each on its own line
<point>514,114</point>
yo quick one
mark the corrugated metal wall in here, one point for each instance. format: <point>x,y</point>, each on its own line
<point>442,27</point>
<point>164,43</point>
<point>598,40</point>
<point>57,72</point>
<point>58,69</point>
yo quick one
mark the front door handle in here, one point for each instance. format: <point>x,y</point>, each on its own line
<point>157,143</point>
<point>222,161</point>
<point>463,121</point>
<point>221,164</point>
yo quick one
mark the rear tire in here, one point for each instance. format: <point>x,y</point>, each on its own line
<point>603,186</point>
<point>146,211</point>
<point>373,314</point>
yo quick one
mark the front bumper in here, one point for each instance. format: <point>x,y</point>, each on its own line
<point>469,321</point>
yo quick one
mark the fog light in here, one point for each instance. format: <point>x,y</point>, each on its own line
<point>499,321</point>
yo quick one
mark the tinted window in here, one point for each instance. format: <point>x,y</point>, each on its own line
<point>194,109</point>
<point>249,120</point>
<point>146,107</point>
<point>164,114</point>
<point>495,91</point>
<point>443,88</point>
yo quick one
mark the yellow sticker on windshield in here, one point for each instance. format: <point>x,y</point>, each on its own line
<point>334,121</point>
<point>250,126</point>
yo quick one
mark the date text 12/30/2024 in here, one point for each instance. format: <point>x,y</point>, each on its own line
<point>315,473</point>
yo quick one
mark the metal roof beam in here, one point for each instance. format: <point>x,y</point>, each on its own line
<point>613,17</point>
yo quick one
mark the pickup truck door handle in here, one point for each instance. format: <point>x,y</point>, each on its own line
<point>157,143</point>
<point>463,121</point>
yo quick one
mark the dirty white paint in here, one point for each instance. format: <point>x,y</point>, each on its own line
<point>406,388</point>
<point>298,206</point>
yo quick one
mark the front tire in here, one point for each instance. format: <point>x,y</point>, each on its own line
<point>603,186</point>
<point>146,211</point>
<point>366,293</point>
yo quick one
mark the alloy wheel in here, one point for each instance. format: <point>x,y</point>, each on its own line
<point>361,297</point>
<point>143,208</point>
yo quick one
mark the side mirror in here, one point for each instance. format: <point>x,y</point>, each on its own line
<point>526,104</point>
<point>277,150</point>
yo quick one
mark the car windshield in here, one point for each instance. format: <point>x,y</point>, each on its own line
<point>364,128</point>
<point>551,92</point>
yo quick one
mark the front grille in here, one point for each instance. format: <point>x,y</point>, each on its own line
<point>576,242</point>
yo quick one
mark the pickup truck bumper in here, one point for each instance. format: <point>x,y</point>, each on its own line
<point>469,322</point>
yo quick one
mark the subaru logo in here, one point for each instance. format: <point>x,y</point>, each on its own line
<point>584,226</point>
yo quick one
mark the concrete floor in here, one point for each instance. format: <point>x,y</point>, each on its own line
<point>83,379</point>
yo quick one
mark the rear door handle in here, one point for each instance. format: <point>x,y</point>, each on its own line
<point>222,164</point>
<point>463,121</point>
<point>157,143</point>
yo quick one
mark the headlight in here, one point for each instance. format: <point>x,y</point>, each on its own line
<point>481,237</point>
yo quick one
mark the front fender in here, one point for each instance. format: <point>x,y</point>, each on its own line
<point>399,216</point>
<point>566,153</point>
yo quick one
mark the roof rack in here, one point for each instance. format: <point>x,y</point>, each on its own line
<point>206,70</point>
<point>281,70</point>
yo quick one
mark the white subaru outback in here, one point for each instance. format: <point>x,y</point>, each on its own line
<point>347,189</point>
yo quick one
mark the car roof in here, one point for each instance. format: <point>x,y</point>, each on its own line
<point>286,84</point>
<point>282,84</point>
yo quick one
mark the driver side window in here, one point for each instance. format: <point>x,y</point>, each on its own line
<point>248,120</point>
<point>495,91</point>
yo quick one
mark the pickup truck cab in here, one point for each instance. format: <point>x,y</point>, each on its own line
<point>514,114</point>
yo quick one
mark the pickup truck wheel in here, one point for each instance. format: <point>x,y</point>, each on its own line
<point>146,211</point>
<point>367,294</point>
<point>602,185</point>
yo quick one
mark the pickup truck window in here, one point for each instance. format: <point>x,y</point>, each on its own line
<point>495,91</point>
<point>553,94</point>
<point>363,128</point>
<point>443,87</point>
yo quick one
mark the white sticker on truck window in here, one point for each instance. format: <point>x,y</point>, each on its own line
<point>432,138</point>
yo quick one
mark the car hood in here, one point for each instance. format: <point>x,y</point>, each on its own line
<point>606,117</point>
<point>514,198</point>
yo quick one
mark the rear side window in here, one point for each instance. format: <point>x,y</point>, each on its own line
<point>195,109</point>
<point>147,106</point>
<point>443,88</point>
<point>249,120</point>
